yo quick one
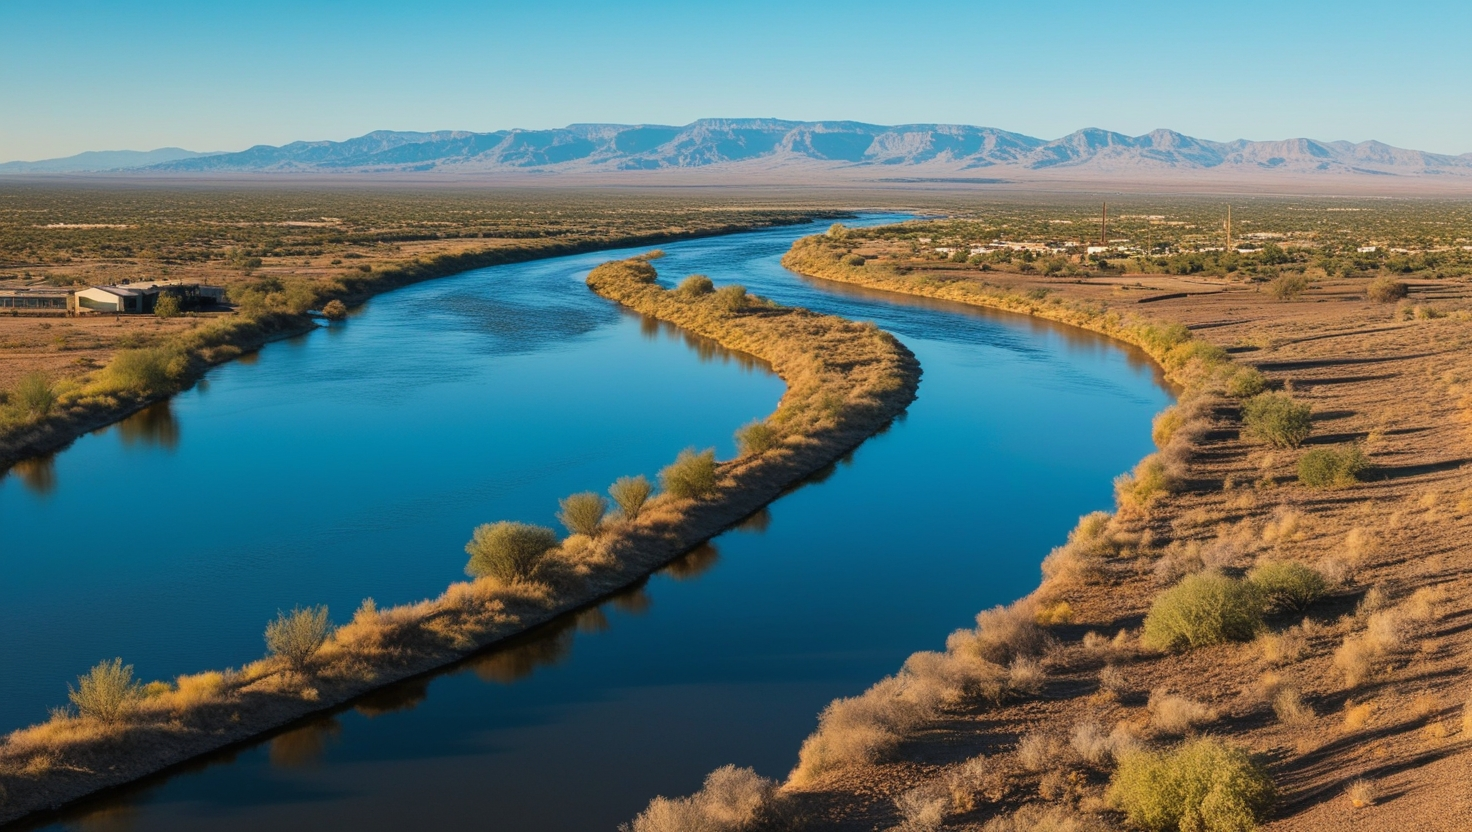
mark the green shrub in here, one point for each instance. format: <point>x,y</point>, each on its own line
<point>1204,608</point>
<point>1202,785</point>
<point>107,693</point>
<point>146,372</point>
<point>1386,289</point>
<point>1287,585</point>
<point>1277,419</point>
<point>756,437</point>
<point>853,260</point>
<point>34,395</point>
<point>1332,467</point>
<point>691,476</point>
<point>696,285</point>
<point>630,493</point>
<point>296,636</point>
<point>1245,383</point>
<point>733,298</point>
<point>507,551</point>
<point>335,310</point>
<point>583,513</point>
<point>167,306</point>
<point>1288,286</point>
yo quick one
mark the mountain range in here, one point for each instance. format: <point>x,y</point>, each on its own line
<point>749,144</point>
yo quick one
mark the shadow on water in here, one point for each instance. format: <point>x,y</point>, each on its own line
<point>706,349</point>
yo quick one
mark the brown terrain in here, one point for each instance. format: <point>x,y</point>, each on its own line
<point>1375,673</point>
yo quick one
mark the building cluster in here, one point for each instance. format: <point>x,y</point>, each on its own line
<point>127,298</point>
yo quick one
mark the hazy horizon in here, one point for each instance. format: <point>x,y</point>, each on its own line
<point>96,76</point>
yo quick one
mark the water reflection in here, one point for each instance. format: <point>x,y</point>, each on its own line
<point>404,696</point>
<point>304,747</point>
<point>152,427</point>
<point>706,349</point>
<point>694,563</point>
<point>38,474</point>
<point>757,522</point>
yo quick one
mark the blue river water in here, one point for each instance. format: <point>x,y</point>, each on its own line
<point>354,461</point>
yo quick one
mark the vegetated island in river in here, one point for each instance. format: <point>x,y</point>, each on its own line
<point>845,382</point>
<point>1269,630</point>
<point>124,363</point>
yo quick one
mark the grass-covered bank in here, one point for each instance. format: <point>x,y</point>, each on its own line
<point>46,412</point>
<point>845,381</point>
<point>1264,632</point>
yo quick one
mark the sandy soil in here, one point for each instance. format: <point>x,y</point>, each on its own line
<point>1401,387</point>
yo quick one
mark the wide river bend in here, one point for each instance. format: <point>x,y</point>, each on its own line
<point>354,461</point>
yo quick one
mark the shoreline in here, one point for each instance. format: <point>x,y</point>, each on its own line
<point>829,408</point>
<point>1360,693</point>
<point>244,335</point>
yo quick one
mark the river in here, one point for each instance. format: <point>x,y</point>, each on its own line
<point>354,461</point>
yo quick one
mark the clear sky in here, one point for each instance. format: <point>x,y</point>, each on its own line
<point>225,75</point>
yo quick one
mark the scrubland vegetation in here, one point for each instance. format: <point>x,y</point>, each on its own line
<point>1241,578</point>
<point>845,382</point>
<point>281,253</point>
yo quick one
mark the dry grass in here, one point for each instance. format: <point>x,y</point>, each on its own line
<point>1361,794</point>
<point>731,800</point>
<point>1177,715</point>
<point>845,381</point>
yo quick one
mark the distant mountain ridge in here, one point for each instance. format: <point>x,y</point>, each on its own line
<point>102,160</point>
<point>739,144</point>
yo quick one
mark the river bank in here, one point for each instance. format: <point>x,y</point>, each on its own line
<point>1356,708</point>
<point>159,364</point>
<point>829,408</point>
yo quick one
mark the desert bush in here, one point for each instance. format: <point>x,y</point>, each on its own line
<point>583,513</point>
<point>695,285</point>
<point>691,476</point>
<point>1172,714</point>
<point>1002,635</point>
<point>1386,289</point>
<point>200,688</point>
<point>922,809</point>
<point>1361,793</point>
<point>756,437</point>
<point>167,306</point>
<point>107,693</point>
<point>732,799</point>
<point>1026,676</point>
<point>34,396</point>
<point>1202,785</point>
<point>1040,751</point>
<point>1081,558</point>
<point>732,298</point>
<point>1287,585</point>
<point>1113,680</point>
<point>1282,648</point>
<point>863,728</point>
<point>148,371</point>
<point>1332,467</point>
<point>1288,286</point>
<point>335,310</point>
<point>1359,656</point>
<point>1205,608</point>
<point>297,636</point>
<point>1151,480</point>
<point>630,494</point>
<point>1245,383</point>
<point>1277,419</point>
<point>1290,708</point>
<point>508,551</point>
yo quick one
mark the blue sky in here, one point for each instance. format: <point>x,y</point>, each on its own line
<point>226,75</point>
